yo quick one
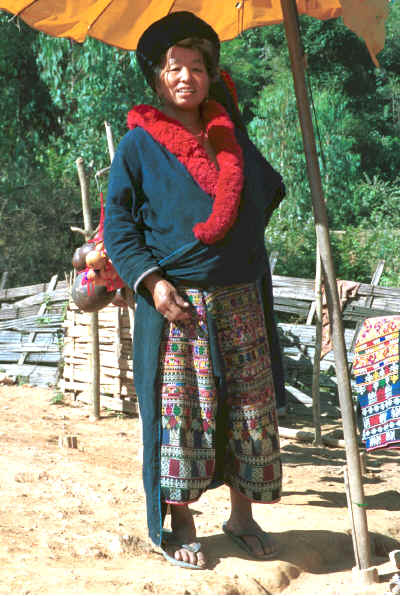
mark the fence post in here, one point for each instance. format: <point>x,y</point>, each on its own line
<point>94,321</point>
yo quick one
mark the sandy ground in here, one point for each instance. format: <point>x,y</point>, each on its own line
<point>72,520</point>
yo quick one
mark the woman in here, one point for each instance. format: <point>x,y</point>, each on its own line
<point>188,200</point>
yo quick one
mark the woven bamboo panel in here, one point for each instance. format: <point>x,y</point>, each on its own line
<point>115,350</point>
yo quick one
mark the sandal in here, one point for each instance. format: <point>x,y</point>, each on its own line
<point>239,539</point>
<point>193,547</point>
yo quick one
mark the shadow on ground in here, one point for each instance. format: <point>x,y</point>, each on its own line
<point>312,551</point>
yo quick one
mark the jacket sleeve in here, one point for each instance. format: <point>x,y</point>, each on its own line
<point>123,232</point>
<point>274,202</point>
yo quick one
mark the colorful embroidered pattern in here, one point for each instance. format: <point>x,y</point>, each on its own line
<point>189,400</point>
<point>376,369</point>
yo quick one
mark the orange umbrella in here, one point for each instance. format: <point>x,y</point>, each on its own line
<point>121,22</point>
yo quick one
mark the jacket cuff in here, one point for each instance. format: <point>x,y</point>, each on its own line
<point>145,274</point>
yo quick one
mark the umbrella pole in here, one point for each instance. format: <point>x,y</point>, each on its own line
<point>363,555</point>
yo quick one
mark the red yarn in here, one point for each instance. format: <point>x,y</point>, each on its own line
<point>230,84</point>
<point>224,184</point>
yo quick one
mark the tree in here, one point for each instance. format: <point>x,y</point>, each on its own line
<point>28,116</point>
<point>276,131</point>
<point>31,208</point>
<point>89,83</point>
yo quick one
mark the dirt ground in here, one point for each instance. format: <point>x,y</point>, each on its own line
<point>72,520</point>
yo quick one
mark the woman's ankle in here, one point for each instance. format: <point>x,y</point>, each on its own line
<point>241,509</point>
<point>182,517</point>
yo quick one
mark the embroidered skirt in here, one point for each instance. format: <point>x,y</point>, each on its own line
<point>222,428</point>
<point>376,369</point>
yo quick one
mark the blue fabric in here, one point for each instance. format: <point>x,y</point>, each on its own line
<point>152,205</point>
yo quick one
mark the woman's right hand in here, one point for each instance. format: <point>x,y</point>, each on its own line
<point>166,298</point>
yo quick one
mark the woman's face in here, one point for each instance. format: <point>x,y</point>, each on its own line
<point>184,81</point>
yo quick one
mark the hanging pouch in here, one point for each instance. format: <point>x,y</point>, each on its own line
<point>97,280</point>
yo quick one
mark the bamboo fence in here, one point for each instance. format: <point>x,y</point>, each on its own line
<point>31,332</point>
<point>115,352</point>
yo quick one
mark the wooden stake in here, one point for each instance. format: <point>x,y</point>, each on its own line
<point>69,441</point>
<point>94,324</point>
<point>110,141</point>
<point>316,403</point>
<point>95,357</point>
<point>87,216</point>
<point>3,281</point>
<point>290,14</point>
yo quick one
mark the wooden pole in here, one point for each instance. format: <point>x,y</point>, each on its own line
<point>87,216</point>
<point>290,16</point>
<point>94,320</point>
<point>110,141</point>
<point>316,399</point>
<point>3,281</point>
<point>94,327</point>
<point>351,514</point>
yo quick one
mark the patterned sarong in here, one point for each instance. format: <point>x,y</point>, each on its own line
<point>193,417</point>
<point>376,370</point>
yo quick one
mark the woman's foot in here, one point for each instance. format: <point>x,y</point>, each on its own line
<point>252,539</point>
<point>184,535</point>
<point>245,531</point>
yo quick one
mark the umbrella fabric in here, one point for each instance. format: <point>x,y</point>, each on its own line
<point>121,22</point>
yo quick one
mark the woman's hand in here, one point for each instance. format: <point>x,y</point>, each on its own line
<point>166,298</point>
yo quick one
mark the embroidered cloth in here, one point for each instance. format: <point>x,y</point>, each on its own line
<point>192,416</point>
<point>376,370</point>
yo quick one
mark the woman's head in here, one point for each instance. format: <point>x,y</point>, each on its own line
<point>203,46</point>
<point>182,29</point>
<point>182,79</point>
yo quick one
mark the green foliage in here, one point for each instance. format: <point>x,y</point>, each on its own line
<point>35,239</point>
<point>377,237</point>
<point>357,116</point>
<point>295,244</point>
<point>277,133</point>
<point>357,249</point>
<point>27,115</point>
<point>89,84</point>
<point>247,60</point>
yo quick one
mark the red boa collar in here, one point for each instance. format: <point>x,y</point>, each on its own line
<point>224,184</point>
